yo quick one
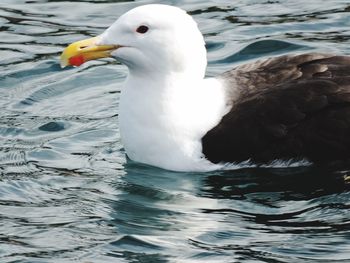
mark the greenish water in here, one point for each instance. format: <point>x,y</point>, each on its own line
<point>67,192</point>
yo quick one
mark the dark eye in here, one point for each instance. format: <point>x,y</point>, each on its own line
<point>142,29</point>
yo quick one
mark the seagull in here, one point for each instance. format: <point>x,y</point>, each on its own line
<point>290,108</point>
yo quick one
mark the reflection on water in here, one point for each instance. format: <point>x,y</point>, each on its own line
<point>67,192</point>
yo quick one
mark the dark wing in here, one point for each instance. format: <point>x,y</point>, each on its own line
<point>289,107</point>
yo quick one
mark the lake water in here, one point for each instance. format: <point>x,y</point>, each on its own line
<point>67,192</point>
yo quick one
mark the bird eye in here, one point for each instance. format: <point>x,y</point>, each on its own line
<point>142,29</point>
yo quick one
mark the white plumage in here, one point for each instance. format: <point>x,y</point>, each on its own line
<point>166,104</point>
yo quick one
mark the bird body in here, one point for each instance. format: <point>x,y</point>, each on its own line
<point>292,107</point>
<point>147,134</point>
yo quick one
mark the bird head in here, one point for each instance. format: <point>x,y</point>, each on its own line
<point>147,39</point>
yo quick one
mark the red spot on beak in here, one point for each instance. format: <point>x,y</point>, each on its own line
<point>77,60</point>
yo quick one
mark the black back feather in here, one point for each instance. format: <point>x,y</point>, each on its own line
<point>288,107</point>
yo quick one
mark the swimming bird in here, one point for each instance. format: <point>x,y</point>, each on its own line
<point>290,107</point>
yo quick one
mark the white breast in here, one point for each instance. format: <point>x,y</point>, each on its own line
<point>162,122</point>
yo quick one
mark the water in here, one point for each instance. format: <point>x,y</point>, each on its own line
<point>67,192</point>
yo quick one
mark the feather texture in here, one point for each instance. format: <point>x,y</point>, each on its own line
<point>288,107</point>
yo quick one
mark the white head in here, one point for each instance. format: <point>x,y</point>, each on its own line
<point>150,39</point>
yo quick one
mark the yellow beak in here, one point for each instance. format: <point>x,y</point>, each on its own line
<point>79,52</point>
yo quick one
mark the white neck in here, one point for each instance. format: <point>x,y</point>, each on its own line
<point>162,120</point>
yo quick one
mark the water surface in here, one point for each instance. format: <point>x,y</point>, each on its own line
<point>67,192</point>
